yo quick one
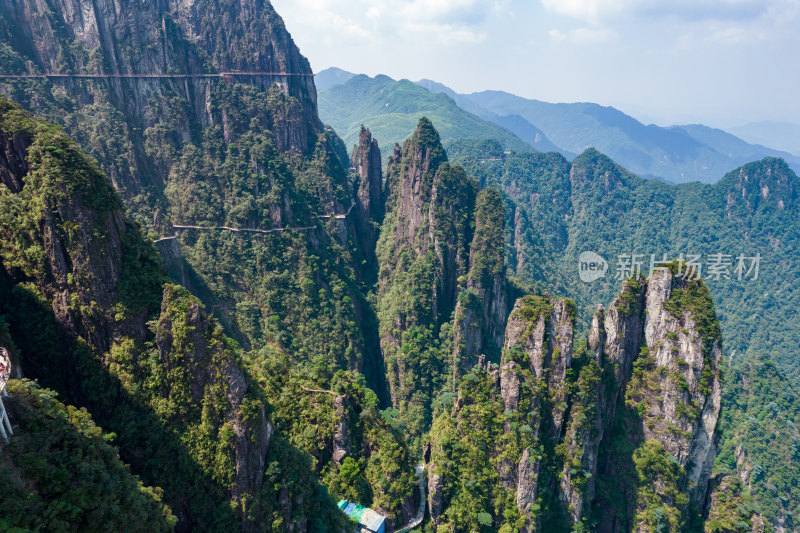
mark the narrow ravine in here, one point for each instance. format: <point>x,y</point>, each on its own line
<point>421,511</point>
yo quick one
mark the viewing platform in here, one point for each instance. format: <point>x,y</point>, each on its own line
<point>5,373</point>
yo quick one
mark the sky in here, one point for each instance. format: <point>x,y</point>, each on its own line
<point>719,62</point>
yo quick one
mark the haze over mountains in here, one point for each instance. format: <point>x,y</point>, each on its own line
<point>676,154</point>
<point>780,135</point>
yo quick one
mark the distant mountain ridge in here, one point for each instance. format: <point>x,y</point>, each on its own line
<point>780,135</point>
<point>330,77</point>
<point>392,108</point>
<point>676,154</point>
<point>515,123</point>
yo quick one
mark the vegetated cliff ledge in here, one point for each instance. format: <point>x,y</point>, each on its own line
<point>93,316</point>
<point>615,433</point>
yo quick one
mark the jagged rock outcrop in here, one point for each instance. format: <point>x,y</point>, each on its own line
<point>430,206</point>
<point>672,394</point>
<point>435,496</point>
<point>597,334</point>
<point>163,37</point>
<point>686,343</point>
<point>525,394</point>
<point>423,251</point>
<point>341,435</point>
<point>540,333</point>
<point>366,160</point>
<point>632,413</point>
<point>544,331</point>
<point>613,344</point>
<point>482,309</point>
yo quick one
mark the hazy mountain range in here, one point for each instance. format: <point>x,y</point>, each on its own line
<point>780,135</point>
<point>675,154</point>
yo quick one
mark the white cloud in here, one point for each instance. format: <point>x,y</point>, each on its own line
<point>456,12</point>
<point>584,35</point>
<point>736,35</point>
<point>595,11</point>
<point>447,34</point>
<point>588,10</point>
<point>441,21</point>
<point>349,27</point>
<point>777,24</point>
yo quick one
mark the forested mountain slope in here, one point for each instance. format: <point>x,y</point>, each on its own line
<point>677,154</point>
<point>249,153</point>
<point>62,473</point>
<point>557,210</point>
<point>93,316</point>
<point>323,316</point>
<point>562,209</point>
<point>392,109</point>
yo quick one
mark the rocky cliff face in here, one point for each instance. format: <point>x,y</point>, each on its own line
<point>685,344</point>
<point>163,37</point>
<point>638,402</point>
<point>89,309</point>
<point>430,205</point>
<point>369,189</point>
<point>422,253</point>
<point>482,309</point>
<point>442,287</point>
<point>61,208</point>
<point>247,151</point>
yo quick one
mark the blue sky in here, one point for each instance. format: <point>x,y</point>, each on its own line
<point>720,62</point>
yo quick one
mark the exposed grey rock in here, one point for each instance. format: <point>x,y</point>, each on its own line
<point>638,323</point>
<point>341,435</point>
<point>369,189</point>
<point>676,345</point>
<point>527,488</point>
<point>468,330</point>
<point>165,36</point>
<point>597,334</point>
<point>509,385</point>
<point>527,337</point>
<point>435,500</point>
<point>561,334</point>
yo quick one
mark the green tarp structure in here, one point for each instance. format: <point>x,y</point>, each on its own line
<point>368,519</point>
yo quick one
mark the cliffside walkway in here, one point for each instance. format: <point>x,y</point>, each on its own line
<point>421,511</point>
<point>222,75</point>
<point>257,230</point>
<point>5,373</point>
